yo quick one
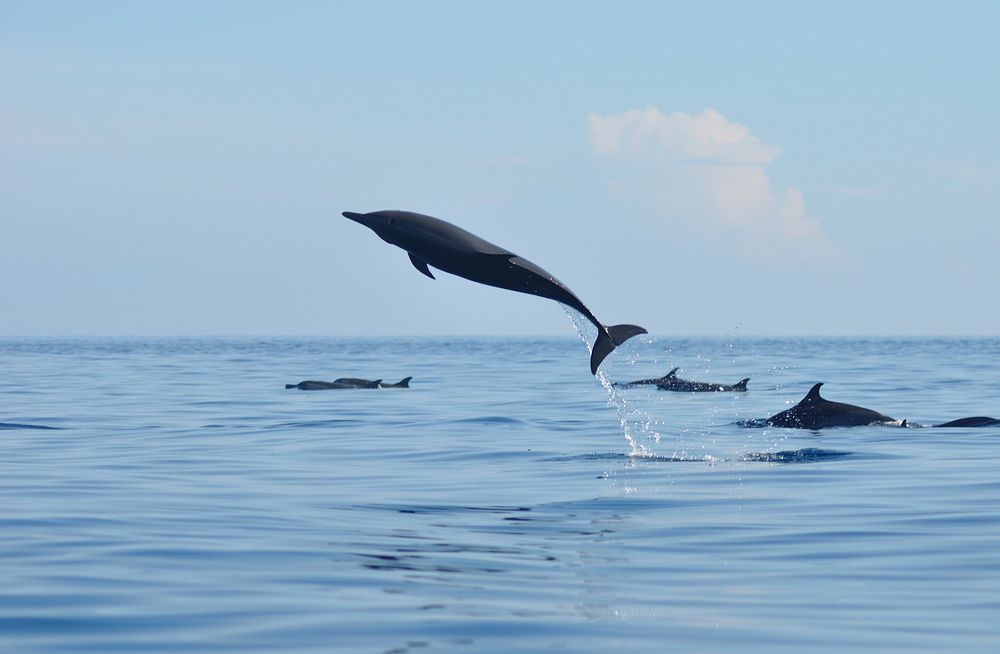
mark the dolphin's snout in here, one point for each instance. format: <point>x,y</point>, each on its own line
<point>356,217</point>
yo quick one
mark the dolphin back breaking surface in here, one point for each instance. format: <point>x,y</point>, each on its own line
<point>432,242</point>
<point>816,412</point>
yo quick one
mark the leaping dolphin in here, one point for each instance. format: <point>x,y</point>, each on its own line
<point>815,412</point>
<point>433,242</point>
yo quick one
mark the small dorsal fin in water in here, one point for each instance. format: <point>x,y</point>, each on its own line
<point>420,265</point>
<point>813,394</point>
<point>741,385</point>
<point>672,373</point>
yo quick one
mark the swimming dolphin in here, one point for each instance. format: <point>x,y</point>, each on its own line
<point>814,412</point>
<point>975,421</point>
<point>364,383</point>
<point>651,381</point>
<point>311,385</point>
<point>671,382</point>
<point>402,383</point>
<point>433,242</point>
<point>357,383</point>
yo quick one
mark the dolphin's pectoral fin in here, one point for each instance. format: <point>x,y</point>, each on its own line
<point>420,265</point>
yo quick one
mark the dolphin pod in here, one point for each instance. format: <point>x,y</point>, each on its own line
<point>432,242</point>
<point>671,382</point>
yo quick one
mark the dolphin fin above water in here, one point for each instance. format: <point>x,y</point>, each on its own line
<point>815,412</point>
<point>974,421</point>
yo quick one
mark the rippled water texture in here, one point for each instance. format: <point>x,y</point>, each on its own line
<point>170,495</point>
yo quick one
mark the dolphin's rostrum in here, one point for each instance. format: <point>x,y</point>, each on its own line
<point>433,242</point>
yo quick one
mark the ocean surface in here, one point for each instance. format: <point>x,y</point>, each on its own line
<point>170,495</point>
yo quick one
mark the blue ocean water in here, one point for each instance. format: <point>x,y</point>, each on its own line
<point>185,501</point>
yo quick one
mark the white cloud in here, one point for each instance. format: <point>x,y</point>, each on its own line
<point>706,171</point>
<point>681,136</point>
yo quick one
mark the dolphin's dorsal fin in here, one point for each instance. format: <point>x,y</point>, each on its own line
<point>813,394</point>
<point>673,373</point>
<point>420,265</point>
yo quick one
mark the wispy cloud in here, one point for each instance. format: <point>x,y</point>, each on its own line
<point>708,172</point>
<point>852,191</point>
<point>970,173</point>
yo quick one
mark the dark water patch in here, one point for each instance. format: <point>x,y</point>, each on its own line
<point>318,424</point>
<point>485,420</point>
<point>442,508</point>
<point>805,455</point>
<point>621,456</point>
<point>569,425</point>
<point>218,403</point>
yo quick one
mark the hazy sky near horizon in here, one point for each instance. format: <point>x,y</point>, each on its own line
<point>696,168</point>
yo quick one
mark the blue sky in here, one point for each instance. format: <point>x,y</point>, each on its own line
<point>696,168</point>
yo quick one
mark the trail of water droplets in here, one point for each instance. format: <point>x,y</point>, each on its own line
<point>636,424</point>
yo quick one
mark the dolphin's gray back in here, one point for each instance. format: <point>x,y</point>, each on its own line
<point>446,232</point>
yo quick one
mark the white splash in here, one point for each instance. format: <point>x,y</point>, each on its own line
<point>637,425</point>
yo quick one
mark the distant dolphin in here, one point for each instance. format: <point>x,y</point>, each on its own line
<point>976,421</point>
<point>433,242</point>
<point>354,382</point>
<point>311,385</point>
<point>671,382</point>
<point>685,386</point>
<point>364,383</point>
<point>648,382</point>
<point>402,383</point>
<point>814,412</point>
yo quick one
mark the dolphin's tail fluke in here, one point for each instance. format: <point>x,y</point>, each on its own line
<point>741,385</point>
<point>608,339</point>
